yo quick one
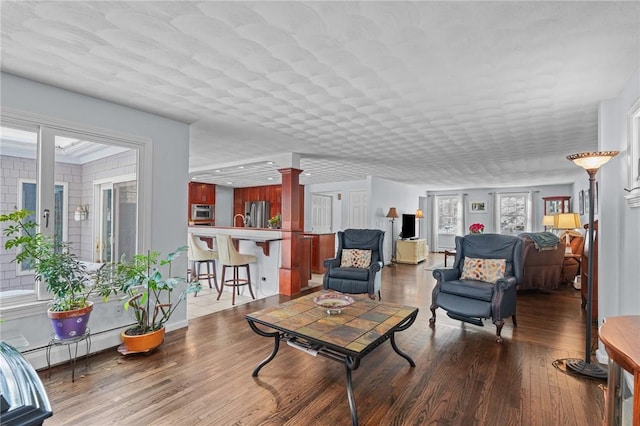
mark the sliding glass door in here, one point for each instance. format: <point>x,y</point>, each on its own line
<point>53,171</point>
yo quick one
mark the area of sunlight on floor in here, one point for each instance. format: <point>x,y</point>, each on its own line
<point>205,302</point>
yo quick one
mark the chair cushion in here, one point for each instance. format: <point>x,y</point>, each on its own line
<point>472,289</point>
<point>349,273</point>
<point>489,270</point>
<point>355,258</point>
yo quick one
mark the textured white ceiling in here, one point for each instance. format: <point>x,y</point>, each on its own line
<point>437,94</point>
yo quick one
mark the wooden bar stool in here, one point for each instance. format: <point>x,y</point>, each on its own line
<point>199,253</point>
<point>230,258</point>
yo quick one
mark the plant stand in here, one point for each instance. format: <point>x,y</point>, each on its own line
<point>55,341</point>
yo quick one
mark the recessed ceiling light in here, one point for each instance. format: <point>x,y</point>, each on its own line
<point>269,178</point>
<point>229,183</point>
<point>270,162</point>
<point>241,167</point>
<point>218,171</point>
<point>307,174</point>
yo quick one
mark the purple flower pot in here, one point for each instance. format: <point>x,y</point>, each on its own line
<point>70,324</point>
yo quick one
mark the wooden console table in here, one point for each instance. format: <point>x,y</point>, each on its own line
<point>411,251</point>
<point>622,341</point>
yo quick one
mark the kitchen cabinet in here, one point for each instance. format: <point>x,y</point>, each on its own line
<point>323,246</point>
<point>270,193</point>
<point>201,193</point>
<point>555,205</point>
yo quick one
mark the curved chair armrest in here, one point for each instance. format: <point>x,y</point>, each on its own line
<point>333,263</point>
<point>442,275</point>
<point>375,266</point>
<point>506,283</point>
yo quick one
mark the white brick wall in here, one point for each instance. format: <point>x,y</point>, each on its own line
<point>80,191</point>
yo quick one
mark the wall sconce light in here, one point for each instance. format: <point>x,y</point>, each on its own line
<point>82,213</point>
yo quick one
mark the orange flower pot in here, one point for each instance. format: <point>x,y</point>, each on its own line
<point>143,342</point>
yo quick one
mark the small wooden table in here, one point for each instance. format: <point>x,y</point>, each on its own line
<point>448,253</point>
<point>621,339</point>
<point>346,337</point>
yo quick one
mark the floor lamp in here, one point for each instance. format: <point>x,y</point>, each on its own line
<point>419,216</point>
<point>591,162</point>
<point>393,215</point>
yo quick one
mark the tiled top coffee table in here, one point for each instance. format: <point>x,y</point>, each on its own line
<point>346,337</point>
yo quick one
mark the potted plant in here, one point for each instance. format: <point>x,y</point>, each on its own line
<point>147,293</point>
<point>65,277</point>
<point>274,222</point>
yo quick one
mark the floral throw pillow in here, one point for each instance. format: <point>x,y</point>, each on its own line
<point>489,270</point>
<point>355,258</point>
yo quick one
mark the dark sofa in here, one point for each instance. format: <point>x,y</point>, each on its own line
<point>542,267</point>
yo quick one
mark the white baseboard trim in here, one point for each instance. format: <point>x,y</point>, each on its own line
<point>99,342</point>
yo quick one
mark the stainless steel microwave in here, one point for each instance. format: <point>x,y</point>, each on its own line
<point>202,212</point>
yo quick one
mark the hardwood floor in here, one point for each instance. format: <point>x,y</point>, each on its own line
<point>202,375</point>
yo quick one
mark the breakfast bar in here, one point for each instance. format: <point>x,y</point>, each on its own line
<point>264,244</point>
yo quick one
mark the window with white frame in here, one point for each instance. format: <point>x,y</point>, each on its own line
<point>513,213</point>
<point>54,167</point>
<point>449,215</point>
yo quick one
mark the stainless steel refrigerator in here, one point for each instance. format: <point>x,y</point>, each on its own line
<point>257,213</point>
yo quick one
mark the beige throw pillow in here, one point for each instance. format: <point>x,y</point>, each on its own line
<point>355,258</point>
<point>489,270</point>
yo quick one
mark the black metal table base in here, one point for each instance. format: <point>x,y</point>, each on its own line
<point>351,362</point>
<point>68,342</point>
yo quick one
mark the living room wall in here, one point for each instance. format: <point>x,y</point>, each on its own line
<point>488,219</point>
<point>619,226</point>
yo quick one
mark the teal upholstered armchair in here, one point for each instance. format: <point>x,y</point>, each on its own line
<point>482,283</point>
<point>352,270</point>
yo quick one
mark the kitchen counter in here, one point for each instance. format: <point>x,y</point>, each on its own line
<point>263,243</point>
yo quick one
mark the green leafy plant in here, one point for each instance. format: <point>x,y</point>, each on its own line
<point>146,291</point>
<point>274,222</point>
<point>64,275</point>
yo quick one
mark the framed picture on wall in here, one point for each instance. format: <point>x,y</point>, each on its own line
<point>477,206</point>
<point>581,202</point>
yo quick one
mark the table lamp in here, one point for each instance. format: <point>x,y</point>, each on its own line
<point>419,216</point>
<point>547,221</point>
<point>567,221</point>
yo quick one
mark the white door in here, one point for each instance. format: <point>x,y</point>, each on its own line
<point>358,209</point>
<point>321,213</point>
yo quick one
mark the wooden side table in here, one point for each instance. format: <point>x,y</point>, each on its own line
<point>621,339</point>
<point>448,253</point>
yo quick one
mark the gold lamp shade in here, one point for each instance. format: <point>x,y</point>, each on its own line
<point>566,221</point>
<point>393,213</point>
<point>592,160</point>
<point>548,220</point>
<point>419,214</point>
